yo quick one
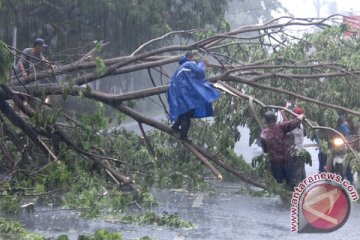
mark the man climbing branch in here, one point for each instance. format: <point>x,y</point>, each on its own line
<point>190,95</point>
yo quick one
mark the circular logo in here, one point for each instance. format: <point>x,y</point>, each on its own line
<point>326,207</point>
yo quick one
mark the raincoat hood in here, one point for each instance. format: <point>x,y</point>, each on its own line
<point>182,60</point>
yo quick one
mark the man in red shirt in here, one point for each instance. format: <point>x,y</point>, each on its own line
<point>274,142</point>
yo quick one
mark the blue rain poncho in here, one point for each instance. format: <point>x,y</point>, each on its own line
<point>189,89</point>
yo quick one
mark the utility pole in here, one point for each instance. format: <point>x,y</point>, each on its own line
<point>14,41</point>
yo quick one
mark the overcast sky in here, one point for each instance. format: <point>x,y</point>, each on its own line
<point>306,8</point>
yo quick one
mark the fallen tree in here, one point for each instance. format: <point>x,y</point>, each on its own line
<point>263,64</point>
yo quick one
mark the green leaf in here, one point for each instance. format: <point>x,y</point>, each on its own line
<point>39,188</point>
<point>100,66</point>
<point>6,60</point>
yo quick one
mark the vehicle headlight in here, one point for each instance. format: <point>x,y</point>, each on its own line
<point>338,141</point>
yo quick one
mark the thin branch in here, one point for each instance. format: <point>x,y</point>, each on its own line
<point>160,99</point>
<point>147,140</point>
<point>190,32</point>
<point>307,99</point>
<point>90,54</point>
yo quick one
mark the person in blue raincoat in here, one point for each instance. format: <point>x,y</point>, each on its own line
<point>190,95</point>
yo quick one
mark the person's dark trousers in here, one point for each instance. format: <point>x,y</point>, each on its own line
<point>322,161</point>
<point>182,124</point>
<point>280,171</point>
<point>296,172</point>
<point>349,175</point>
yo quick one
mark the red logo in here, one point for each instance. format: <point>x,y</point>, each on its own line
<point>325,207</point>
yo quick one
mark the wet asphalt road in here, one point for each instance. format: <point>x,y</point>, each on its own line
<point>222,215</point>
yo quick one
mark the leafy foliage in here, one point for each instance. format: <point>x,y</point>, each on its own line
<point>102,235</point>
<point>6,60</point>
<point>151,218</point>
<point>303,155</point>
<point>174,166</point>
<point>125,24</point>
<point>100,66</point>
<point>14,230</point>
<point>261,168</point>
<point>327,50</point>
<point>10,201</point>
<point>84,185</point>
